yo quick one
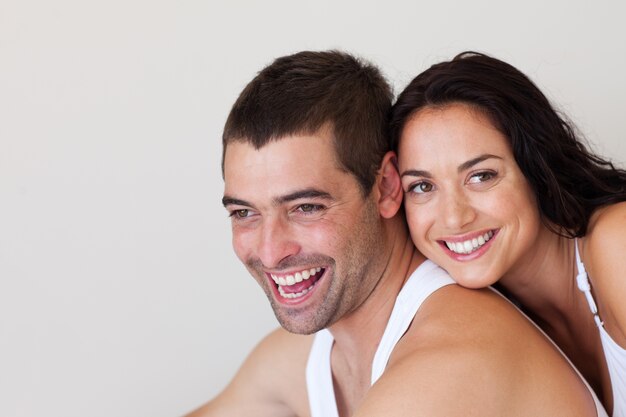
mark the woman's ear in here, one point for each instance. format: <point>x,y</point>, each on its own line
<point>389,186</point>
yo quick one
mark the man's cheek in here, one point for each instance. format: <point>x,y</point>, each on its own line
<point>241,244</point>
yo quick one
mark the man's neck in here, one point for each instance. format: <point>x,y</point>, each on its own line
<point>358,334</point>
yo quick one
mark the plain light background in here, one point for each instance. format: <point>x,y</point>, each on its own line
<point>119,292</point>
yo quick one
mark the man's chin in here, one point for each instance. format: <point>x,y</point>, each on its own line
<point>299,324</point>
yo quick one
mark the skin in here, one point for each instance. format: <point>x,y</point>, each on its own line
<point>461,181</point>
<point>302,226</point>
<point>463,345</point>
<point>453,192</point>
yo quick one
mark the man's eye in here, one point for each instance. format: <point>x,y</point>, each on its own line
<point>310,208</point>
<point>241,214</point>
<point>421,187</point>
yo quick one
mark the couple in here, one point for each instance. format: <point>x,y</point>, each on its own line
<point>496,189</point>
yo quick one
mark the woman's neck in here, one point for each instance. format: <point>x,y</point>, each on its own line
<point>543,280</point>
<point>544,284</point>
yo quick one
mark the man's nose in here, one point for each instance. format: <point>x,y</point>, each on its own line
<point>276,241</point>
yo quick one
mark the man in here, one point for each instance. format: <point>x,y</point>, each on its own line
<point>314,198</point>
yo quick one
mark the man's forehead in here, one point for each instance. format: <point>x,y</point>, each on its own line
<point>284,154</point>
<point>281,166</point>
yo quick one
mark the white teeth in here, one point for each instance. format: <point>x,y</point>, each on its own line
<point>469,246</point>
<point>288,280</point>
<point>295,278</point>
<point>293,295</point>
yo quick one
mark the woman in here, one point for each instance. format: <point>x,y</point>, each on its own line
<point>498,188</point>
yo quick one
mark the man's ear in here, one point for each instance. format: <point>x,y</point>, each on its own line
<point>389,186</point>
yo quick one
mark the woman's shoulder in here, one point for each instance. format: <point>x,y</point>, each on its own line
<point>605,241</point>
<point>608,219</point>
<point>604,250</point>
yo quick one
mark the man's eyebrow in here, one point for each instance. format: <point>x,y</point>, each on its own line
<point>230,201</point>
<point>465,165</point>
<point>296,195</point>
<point>306,193</point>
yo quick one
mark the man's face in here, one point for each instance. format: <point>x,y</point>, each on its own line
<point>302,228</point>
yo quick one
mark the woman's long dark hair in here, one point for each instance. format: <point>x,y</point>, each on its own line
<point>569,181</point>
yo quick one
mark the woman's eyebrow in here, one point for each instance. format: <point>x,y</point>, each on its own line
<point>464,166</point>
<point>474,161</point>
<point>416,173</point>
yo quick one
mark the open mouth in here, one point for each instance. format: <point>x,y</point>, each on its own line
<point>470,245</point>
<point>297,284</point>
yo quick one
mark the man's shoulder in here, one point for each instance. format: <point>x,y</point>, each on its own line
<point>456,324</point>
<point>471,351</point>
<point>457,313</point>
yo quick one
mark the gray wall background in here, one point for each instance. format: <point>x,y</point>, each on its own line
<point>119,292</point>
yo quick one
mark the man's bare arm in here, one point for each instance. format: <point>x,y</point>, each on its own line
<point>270,383</point>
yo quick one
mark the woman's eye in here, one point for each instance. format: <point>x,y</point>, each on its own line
<point>481,177</point>
<point>421,187</point>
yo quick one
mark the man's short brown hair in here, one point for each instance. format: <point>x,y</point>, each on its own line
<point>302,93</point>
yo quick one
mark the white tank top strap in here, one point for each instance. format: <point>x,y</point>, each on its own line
<point>319,377</point>
<point>614,354</point>
<point>582,280</point>
<point>426,279</point>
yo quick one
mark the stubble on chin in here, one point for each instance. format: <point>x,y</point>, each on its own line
<point>296,319</point>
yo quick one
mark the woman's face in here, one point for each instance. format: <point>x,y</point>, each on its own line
<point>468,205</point>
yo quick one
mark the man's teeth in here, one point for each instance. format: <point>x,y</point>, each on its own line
<point>292,295</point>
<point>295,278</point>
<point>471,245</point>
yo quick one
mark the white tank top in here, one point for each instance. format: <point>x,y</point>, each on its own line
<point>614,354</point>
<point>424,281</point>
